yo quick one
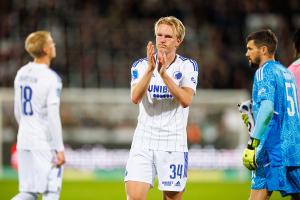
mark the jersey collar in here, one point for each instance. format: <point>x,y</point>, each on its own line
<point>268,62</point>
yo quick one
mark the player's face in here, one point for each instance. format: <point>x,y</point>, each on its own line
<point>51,50</point>
<point>166,40</point>
<point>253,54</point>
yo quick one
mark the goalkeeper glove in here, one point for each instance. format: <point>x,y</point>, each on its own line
<point>249,154</point>
<point>246,109</point>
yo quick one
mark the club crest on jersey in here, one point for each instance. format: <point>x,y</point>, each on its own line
<point>134,74</point>
<point>262,90</point>
<point>177,75</point>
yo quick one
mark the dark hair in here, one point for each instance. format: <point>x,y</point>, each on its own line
<point>296,40</point>
<point>264,38</point>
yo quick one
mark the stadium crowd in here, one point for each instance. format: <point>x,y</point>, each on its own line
<point>98,40</point>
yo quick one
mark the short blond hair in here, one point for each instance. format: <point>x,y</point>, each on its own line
<point>175,23</point>
<point>35,42</point>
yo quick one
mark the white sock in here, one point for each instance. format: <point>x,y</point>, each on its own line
<point>26,196</point>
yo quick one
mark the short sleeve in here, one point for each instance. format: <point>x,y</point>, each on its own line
<point>190,77</point>
<point>55,89</point>
<point>138,70</point>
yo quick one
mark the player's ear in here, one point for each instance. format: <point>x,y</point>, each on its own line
<point>178,42</point>
<point>46,50</point>
<point>264,50</point>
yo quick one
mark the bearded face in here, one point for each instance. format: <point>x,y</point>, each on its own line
<point>254,62</point>
<point>253,54</point>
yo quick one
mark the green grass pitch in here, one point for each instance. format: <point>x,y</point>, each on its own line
<point>114,190</point>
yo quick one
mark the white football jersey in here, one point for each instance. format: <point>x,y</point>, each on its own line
<point>162,120</point>
<point>36,87</point>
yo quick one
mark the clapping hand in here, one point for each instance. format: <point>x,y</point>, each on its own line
<point>161,66</point>
<point>150,56</point>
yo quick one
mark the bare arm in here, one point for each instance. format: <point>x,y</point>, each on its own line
<point>183,94</point>
<point>139,89</point>
<point>17,108</point>
<point>56,131</point>
<point>17,98</point>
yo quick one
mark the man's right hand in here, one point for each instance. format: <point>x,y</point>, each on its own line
<point>60,158</point>
<point>150,56</point>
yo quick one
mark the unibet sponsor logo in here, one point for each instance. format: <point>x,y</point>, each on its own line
<point>159,92</point>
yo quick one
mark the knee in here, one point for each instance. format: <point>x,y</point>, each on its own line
<point>172,195</point>
<point>135,195</point>
<point>136,190</point>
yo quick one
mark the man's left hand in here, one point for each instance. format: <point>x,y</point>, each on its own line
<point>249,154</point>
<point>162,58</point>
<point>249,159</point>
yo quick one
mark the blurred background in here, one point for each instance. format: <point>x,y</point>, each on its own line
<point>98,40</point>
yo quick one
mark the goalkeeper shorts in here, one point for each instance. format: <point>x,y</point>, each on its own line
<point>170,167</point>
<point>284,179</point>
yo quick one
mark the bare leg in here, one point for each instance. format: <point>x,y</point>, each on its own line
<point>263,194</point>
<point>136,190</point>
<point>171,195</point>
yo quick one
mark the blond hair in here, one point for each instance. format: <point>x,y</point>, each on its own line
<point>176,24</point>
<point>35,42</point>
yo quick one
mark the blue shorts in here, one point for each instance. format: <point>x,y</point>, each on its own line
<point>284,179</point>
<point>258,180</point>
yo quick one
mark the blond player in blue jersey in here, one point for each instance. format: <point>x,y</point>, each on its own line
<point>39,143</point>
<point>163,85</point>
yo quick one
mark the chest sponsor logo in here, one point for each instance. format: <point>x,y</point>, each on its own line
<point>159,92</point>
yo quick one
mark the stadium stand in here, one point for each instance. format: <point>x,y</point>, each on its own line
<point>97,41</point>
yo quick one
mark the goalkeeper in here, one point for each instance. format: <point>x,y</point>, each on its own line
<point>273,150</point>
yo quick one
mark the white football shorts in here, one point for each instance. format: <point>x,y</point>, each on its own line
<point>37,173</point>
<point>170,167</point>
